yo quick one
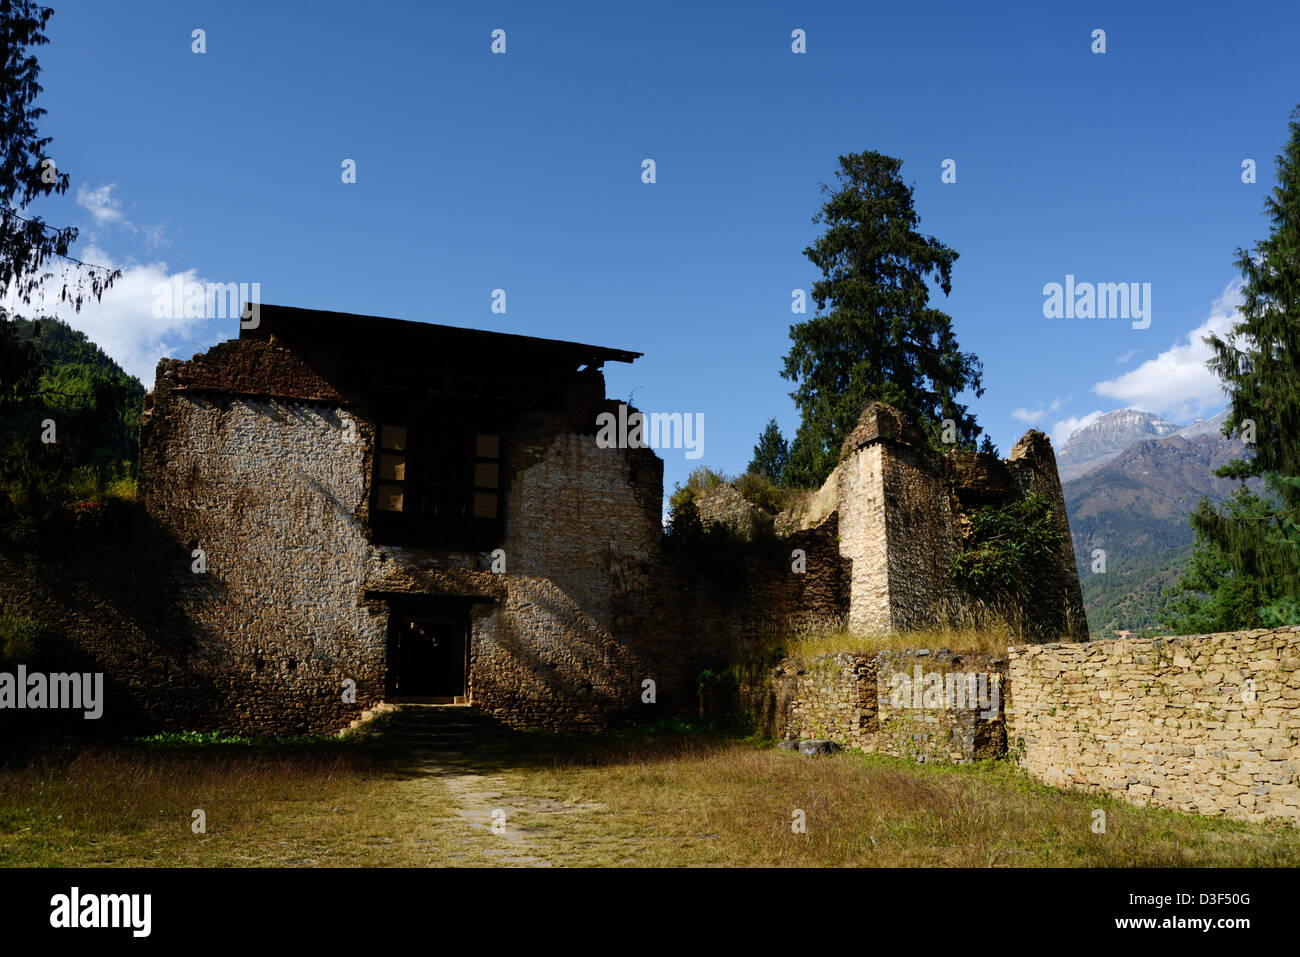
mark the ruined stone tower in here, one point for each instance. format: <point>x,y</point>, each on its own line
<point>901,508</point>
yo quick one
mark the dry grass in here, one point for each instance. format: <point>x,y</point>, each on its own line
<point>266,807</point>
<point>693,802</point>
<point>992,639</point>
<point>663,799</point>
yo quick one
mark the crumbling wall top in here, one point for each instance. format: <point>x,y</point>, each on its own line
<point>879,421</point>
<point>1036,447</point>
<point>249,367</point>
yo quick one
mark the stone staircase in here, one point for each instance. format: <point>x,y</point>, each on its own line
<point>443,727</point>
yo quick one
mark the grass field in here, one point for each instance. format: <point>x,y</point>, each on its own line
<point>663,798</point>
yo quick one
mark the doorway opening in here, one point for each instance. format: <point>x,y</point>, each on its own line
<point>428,654</point>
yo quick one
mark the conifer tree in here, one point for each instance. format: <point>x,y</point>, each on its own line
<point>1249,552</point>
<point>875,336</point>
<point>771,453</point>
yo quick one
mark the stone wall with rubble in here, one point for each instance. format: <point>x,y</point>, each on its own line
<point>1205,723</point>
<point>725,604</point>
<point>826,697</point>
<point>858,700</point>
<point>904,514</point>
<point>724,505</point>
<point>941,705</point>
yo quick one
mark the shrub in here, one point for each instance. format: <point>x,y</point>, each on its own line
<point>702,479</point>
<point>22,638</point>
<point>762,492</point>
<point>1004,543</point>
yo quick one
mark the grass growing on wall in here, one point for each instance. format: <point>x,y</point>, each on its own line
<point>991,639</point>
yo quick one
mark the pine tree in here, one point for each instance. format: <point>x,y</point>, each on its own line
<point>1251,550</point>
<point>771,453</point>
<point>875,336</point>
<point>1210,597</point>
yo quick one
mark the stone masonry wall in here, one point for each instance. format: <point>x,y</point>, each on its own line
<point>725,505</point>
<point>101,590</point>
<point>274,496</point>
<point>928,708</point>
<point>861,504</point>
<point>829,697</point>
<point>572,642</point>
<point>920,536</point>
<point>294,599</point>
<point>856,700</point>
<point>1207,723</point>
<point>711,612</point>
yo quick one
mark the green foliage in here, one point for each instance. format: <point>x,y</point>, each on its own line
<point>760,490</point>
<point>684,525</point>
<point>1135,592</point>
<point>685,532</point>
<point>50,372</point>
<point>770,454</point>
<point>1005,543</point>
<point>702,479</point>
<point>47,371</point>
<point>1212,594</point>
<point>217,740</point>
<point>26,242</point>
<point>875,337</point>
<point>22,638</point>
<point>1247,566</point>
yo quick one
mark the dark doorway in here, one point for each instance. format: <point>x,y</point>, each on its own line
<point>427,657</point>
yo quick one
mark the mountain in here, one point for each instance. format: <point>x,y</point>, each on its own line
<point>1102,440</point>
<point>1208,426</point>
<point>1135,508</point>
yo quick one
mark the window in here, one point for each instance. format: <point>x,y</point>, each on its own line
<point>487,475</point>
<point>392,468</point>
<point>437,479</point>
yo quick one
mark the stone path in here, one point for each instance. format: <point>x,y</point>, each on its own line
<point>443,741</point>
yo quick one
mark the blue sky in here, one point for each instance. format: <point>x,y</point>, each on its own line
<point>523,171</point>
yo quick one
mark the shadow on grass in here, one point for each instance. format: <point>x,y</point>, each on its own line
<point>477,743</point>
<point>394,744</point>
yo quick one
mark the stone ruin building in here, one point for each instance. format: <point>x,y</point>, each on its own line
<point>902,510</point>
<point>366,509</point>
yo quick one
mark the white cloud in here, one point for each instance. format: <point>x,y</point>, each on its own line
<point>123,323</point>
<point>155,236</point>
<point>1126,356</point>
<point>1062,430</point>
<point>1030,416</point>
<point>1177,383</point>
<point>102,204</point>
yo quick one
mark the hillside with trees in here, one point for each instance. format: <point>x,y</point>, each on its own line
<point>69,425</point>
